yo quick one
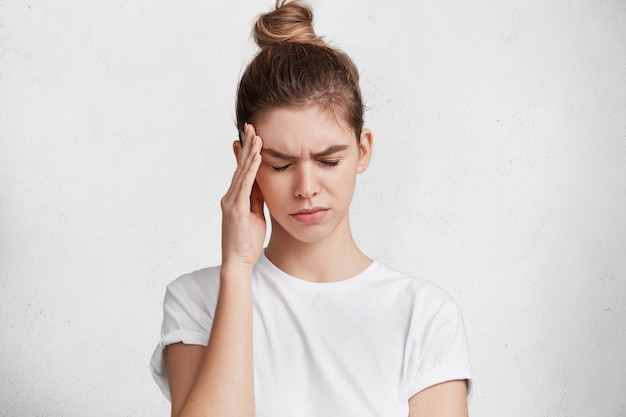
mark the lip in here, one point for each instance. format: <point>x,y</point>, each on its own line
<point>310,215</point>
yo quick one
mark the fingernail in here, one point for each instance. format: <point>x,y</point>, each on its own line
<point>245,128</point>
<point>256,156</point>
<point>254,139</point>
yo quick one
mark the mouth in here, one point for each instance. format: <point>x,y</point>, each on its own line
<point>310,215</point>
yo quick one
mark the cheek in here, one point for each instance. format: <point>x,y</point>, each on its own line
<point>268,184</point>
<point>261,181</point>
<point>263,176</point>
<point>341,178</point>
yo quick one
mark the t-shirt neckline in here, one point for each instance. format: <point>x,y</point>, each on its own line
<point>280,275</point>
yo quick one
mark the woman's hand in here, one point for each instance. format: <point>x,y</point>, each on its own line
<point>243,221</point>
<point>219,380</point>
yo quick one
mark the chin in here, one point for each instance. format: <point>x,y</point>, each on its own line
<point>304,233</point>
<point>306,236</point>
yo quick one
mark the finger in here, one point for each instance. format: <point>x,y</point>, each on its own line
<point>247,135</point>
<point>250,167</point>
<point>243,152</point>
<point>247,149</point>
<point>247,131</point>
<point>247,152</point>
<point>249,160</point>
<point>243,132</point>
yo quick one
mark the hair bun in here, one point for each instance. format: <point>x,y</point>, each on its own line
<point>289,22</point>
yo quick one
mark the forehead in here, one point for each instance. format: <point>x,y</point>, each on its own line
<point>296,129</point>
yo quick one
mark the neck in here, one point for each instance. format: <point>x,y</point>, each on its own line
<point>335,258</point>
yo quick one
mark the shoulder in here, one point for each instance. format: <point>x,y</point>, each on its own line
<point>420,290</point>
<point>199,278</point>
<point>198,288</point>
<point>418,302</point>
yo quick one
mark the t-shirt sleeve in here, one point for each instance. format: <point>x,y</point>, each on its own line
<point>186,319</point>
<point>437,347</point>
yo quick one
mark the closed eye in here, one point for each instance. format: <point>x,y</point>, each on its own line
<point>281,168</point>
<point>323,162</point>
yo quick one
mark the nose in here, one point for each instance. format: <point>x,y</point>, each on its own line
<point>307,184</point>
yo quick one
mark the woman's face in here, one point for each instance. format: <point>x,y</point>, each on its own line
<point>308,170</point>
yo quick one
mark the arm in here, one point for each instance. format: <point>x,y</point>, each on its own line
<point>447,399</point>
<point>183,364</point>
<point>218,380</point>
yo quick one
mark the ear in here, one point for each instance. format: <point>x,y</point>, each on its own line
<point>236,149</point>
<point>365,150</point>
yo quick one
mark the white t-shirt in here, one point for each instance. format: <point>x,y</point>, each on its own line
<point>357,347</point>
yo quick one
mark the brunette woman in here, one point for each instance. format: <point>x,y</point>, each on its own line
<point>308,326</point>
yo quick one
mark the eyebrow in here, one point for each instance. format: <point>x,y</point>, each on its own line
<point>326,152</point>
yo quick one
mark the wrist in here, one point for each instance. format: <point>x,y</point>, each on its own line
<point>234,271</point>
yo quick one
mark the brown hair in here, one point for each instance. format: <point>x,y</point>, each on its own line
<point>295,67</point>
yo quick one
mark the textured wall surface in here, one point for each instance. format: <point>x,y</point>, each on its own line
<point>499,174</point>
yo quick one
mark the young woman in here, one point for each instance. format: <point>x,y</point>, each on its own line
<point>308,326</point>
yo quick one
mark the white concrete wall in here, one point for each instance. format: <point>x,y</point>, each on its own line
<point>500,174</point>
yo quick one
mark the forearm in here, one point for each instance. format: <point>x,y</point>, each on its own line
<point>225,383</point>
